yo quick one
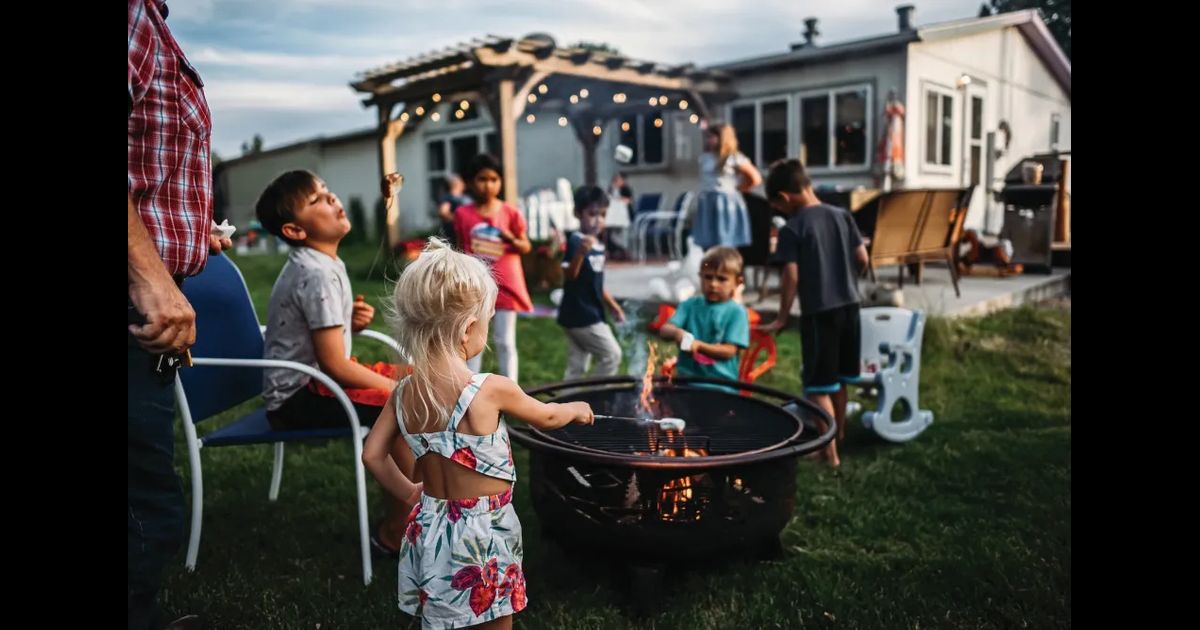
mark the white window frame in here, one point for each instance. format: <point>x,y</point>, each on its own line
<point>757,103</point>
<point>446,136</point>
<point>830,94</point>
<point>971,93</point>
<point>940,91</point>
<point>642,120</point>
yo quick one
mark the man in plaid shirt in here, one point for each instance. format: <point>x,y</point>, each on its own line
<point>170,216</point>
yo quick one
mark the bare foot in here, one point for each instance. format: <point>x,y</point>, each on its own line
<point>832,455</point>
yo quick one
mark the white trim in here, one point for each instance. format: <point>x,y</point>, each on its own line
<point>970,93</point>
<point>936,167</point>
<point>639,165</point>
<point>757,103</point>
<point>446,137</point>
<point>831,167</point>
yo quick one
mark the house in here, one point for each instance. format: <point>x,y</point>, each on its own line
<point>998,82</point>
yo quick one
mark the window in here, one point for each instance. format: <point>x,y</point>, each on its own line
<point>939,125</point>
<point>762,129</point>
<point>436,167</point>
<point>814,130</point>
<point>851,132</point>
<point>742,119</point>
<point>975,141</point>
<point>835,128</point>
<point>451,154</point>
<point>773,133</point>
<point>645,135</point>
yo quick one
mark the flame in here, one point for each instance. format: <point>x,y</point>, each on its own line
<point>646,399</point>
<point>673,499</point>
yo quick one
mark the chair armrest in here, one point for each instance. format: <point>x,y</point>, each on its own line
<point>322,377</point>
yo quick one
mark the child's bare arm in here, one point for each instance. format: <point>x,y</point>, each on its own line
<point>519,242</point>
<point>671,332</point>
<point>331,357</point>
<point>718,351</point>
<point>617,311</point>
<point>512,400</point>
<point>750,177</point>
<point>382,441</point>
<point>790,278</point>
<point>860,255</point>
<point>581,252</point>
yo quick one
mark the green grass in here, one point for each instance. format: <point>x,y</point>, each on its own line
<point>968,526</point>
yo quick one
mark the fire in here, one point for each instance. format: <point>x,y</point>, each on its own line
<point>674,498</point>
<point>646,398</point>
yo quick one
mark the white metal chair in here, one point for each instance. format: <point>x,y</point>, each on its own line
<point>227,371</point>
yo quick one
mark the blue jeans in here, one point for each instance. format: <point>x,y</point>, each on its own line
<point>156,510</point>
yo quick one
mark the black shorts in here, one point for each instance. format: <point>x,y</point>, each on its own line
<point>307,409</point>
<point>830,344</point>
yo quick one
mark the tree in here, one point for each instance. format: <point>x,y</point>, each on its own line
<point>1055,13</point>
<point>254,146</point>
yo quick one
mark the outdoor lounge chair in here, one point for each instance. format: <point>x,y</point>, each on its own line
<point>918,226</point>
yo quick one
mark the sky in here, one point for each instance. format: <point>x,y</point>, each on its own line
<point>282,68</point>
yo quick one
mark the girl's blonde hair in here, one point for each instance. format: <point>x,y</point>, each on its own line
<point>728,146</point>
<point>433,302</point>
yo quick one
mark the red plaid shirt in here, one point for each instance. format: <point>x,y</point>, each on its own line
<point>170,170</point>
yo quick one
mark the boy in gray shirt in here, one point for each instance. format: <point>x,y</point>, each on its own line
<point>312,314</point>
<point>310,319</point>
<point>823,243</point>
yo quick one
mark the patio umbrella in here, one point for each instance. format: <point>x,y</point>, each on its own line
<point>891,141</point>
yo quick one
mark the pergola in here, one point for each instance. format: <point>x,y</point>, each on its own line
<point>526,79</point>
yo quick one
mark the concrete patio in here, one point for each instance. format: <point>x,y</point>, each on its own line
<point>935,295</point>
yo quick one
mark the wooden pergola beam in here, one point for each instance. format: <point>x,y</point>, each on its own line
<point>504,72</point>
<point>565,66</point>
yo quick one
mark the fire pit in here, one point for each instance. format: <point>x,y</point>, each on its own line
<point>725,485</point>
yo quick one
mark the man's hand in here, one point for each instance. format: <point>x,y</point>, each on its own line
<point>170,321</point>
<point>218,243</point>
